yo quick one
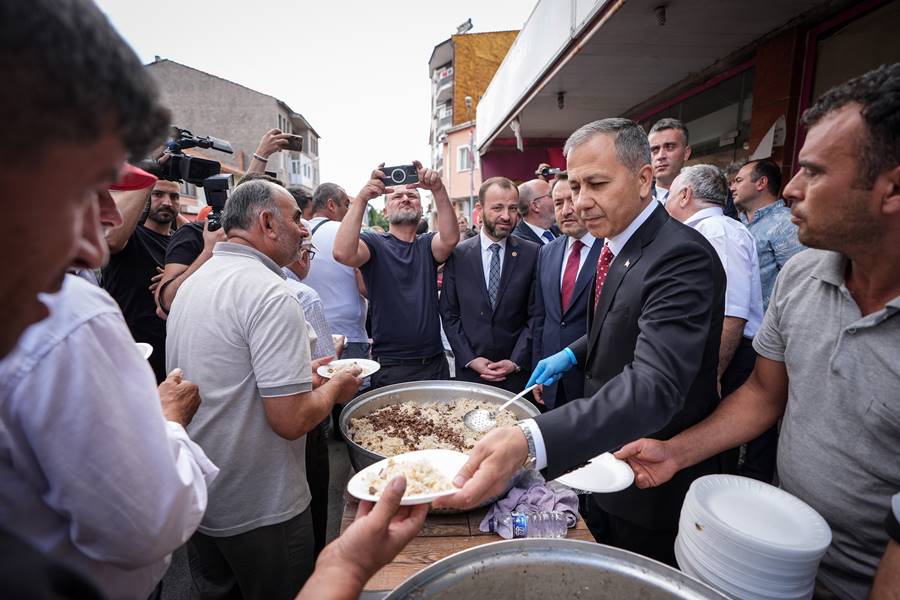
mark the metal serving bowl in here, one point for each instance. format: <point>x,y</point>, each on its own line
<point>550,568</point>
<point>421,392</point>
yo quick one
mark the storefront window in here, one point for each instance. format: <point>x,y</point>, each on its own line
<point>718,120</point>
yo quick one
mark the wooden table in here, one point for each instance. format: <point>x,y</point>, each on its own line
<point>441,536</point>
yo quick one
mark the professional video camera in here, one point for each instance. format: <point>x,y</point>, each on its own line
<point>199,171</point>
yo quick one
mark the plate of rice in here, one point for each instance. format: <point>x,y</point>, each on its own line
<point>429,475</point>
<point>336,366</point>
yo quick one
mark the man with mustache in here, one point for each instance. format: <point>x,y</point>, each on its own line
<point>487,299</point>
<point>563,284</point>
<point>400,272</point>
<point>138,250</point>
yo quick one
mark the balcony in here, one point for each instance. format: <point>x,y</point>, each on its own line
<point>443,91</point>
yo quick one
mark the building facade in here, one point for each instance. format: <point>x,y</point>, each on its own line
<point>208,105</point>
<point>461,69</point>
<point>739,78</point>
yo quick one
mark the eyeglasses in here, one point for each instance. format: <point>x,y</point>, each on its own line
<point>311,254</point>
<point>542,197</point>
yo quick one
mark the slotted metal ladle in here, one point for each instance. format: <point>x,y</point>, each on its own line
<point>481,419</point>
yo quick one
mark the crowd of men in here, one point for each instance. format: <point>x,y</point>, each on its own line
<point>659,307</point>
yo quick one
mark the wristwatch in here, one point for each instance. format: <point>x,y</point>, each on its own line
<point>531,460</point>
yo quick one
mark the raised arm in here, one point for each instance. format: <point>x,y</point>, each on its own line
<point>272,141</point>
<point>176,273</point>
<point>348,249</point>
<point>447,237</point>
<point>131,205</point>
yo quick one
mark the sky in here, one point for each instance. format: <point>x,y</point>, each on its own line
<point>357,70</point>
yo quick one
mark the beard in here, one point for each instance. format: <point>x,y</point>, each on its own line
<point>405,216</point>
<point>491,228</point>
<point>163,216</point>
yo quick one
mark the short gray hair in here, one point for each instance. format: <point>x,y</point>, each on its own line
<point>632,147</point>
<point>706,181</point>
<point>246,202</point>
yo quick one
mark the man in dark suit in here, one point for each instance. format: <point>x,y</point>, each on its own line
<point>650,354</point>
<point>487,300</point>
<point>562,289</point>
<point>536,216</point>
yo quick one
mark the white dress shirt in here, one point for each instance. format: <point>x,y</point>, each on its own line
<point>737,250</point>
<point>616,245</point>
<point>486,255</point>
<point>90,472</point>
<point>660,194</point>
<point>588,240</point>
<point>538,231</point>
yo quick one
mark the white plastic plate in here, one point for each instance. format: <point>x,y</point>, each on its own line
<point>602,475</point>
<point>145,349</point>
<point>368,366</point>
<point>447,462</point>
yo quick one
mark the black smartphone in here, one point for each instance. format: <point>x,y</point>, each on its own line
<point>400,175</point>
<point>295,143</point>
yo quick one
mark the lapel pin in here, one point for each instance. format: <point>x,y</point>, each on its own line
<point>627,263</point>
<point>515,253</point>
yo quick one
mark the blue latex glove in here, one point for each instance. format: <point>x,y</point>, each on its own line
<point>549,370</point>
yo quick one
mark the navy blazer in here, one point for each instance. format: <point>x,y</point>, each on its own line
<point>554,329</point>
<point>524,232</point>
<point>472,327</point>
<point>650,360</point>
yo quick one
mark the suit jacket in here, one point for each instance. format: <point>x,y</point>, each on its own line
<point>650,358</point>
<point>472,327</point>
<point>523,231</point>
<point>554,329</point>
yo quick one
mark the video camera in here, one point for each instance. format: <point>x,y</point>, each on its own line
<point>199,171</point>
<point>548,172</point>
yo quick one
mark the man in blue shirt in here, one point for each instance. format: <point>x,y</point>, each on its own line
<point>400,272</point>
<point>755,189</point>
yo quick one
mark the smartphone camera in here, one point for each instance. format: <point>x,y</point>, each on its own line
<point>295,143</point>
<point>400,175</point>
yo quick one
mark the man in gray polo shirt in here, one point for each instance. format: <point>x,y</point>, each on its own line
<point>828,343</point>
<point>238,331</point>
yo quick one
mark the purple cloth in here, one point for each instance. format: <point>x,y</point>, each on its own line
<point>531,494</point>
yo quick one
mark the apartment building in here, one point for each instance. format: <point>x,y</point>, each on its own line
<point>209,105</point>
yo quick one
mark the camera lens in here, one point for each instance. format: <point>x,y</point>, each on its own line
<point>398,176</point>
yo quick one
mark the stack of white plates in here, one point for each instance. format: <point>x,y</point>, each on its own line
<point>750,540</point>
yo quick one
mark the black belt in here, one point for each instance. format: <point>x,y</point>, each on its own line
<point>388,361</point>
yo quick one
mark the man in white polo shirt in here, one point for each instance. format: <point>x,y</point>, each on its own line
<point>239,332</point>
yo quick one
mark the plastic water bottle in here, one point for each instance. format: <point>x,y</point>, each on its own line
<point>552,524</point>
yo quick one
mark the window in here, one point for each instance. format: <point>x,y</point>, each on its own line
<point>463,162</point>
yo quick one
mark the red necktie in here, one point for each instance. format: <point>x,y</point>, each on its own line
<point>570,274</point>
<point>606,257</point>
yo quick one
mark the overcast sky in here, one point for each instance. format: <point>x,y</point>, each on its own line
<point>356,69</point>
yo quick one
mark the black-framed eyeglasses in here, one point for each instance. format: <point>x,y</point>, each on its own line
<point>311,254</point>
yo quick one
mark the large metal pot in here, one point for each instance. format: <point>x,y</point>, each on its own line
<point>550,568</point>
<point>421,392</point>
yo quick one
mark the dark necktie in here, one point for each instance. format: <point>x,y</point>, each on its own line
<point>606,258</point>
<point>548,236</point>
<point>494,274</point>
<point>570,274</point>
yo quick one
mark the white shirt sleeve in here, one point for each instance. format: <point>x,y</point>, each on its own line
<point>738,271</point>
<point>131,485</point>
<point>540,449</point>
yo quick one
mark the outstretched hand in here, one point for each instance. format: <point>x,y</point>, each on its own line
<point>651,460</point>
<point>375,186</point>
<point>429,179</point>
<point>378,534</point>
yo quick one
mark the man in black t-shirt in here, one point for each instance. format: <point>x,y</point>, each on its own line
<point>138,250</point>
<point>400,273</point>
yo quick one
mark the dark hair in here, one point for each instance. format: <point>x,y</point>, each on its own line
<point>253,176</point>
<point>69,77</point>
<point>878,92</point>
<point>561,176</point>
<point>632,147</point>
<point>325,192</point>
<point>301,197</point>
<point>468,233</point>
<point>246,202</point>
<point>768,169</point>
<point>670,123</point>
<point>503,182</point>
<point>422,227</point>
